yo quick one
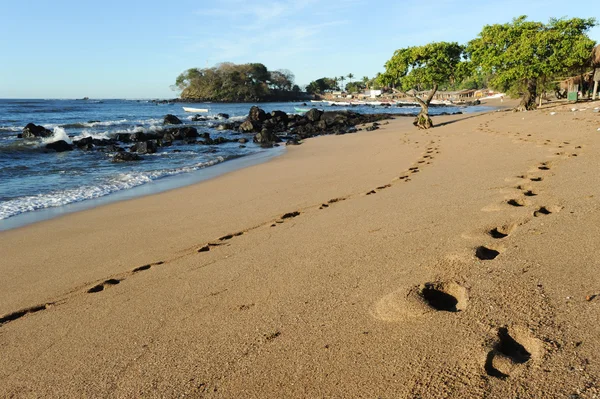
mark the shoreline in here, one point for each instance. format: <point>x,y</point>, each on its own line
<point>316,273</point>
<point>153,187</point>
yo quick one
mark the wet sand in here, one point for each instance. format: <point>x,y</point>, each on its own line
<point>455,262</point>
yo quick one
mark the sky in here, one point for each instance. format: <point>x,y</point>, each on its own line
<point>136,49</point>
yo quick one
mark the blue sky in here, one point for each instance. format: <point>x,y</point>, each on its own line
<point>136,49</point>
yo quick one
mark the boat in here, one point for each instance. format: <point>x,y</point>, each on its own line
<point>301,110</point>
<point>195,110</point>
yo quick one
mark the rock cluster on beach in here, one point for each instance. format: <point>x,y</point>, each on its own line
<point>266,129</point>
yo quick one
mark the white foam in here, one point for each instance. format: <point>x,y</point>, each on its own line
<point>118,182</point>
<point>58,134</point>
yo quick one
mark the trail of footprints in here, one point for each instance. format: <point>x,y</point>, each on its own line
<point>425,159</point>
<point>511,348</point>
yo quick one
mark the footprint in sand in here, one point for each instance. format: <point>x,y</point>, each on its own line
<point>516,202</point>
<point>416,301</point>
<point>511,351</point>
<point>503,231</point>
<point>484,252</point>
<point>103,285</point>
<point>545,166</point>
<point>23,312</point>
<point>547,210</point>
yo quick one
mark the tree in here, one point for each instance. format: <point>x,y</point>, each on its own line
<point>350,76</point>
<point>355,87</point>
<point>524,55</point>
<point>365,81</point>
<point>322,85</point>
<point>236,83</point>
<point>413,69</point>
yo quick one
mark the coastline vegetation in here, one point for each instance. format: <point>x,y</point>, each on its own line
<point>228,82</point>
<point>521,57</point>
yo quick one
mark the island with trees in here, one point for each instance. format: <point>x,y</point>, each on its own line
<point>228,82</point>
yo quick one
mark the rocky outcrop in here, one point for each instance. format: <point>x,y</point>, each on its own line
<point>171,120</point>
<point>60,146</point>
<point>122,156</point>
<point>32,131</point>
<point>270,127</point>
<point>144,147</point>
<point>256,114</point>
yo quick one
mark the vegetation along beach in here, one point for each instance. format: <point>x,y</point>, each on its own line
<point>300,212</point>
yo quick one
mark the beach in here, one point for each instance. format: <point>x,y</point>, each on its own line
<point>455,262</point>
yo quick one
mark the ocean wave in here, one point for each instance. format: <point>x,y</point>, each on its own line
<point>11,128</point>
<point>122,181</point>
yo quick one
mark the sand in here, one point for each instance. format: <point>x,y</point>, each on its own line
<point>457,262</point>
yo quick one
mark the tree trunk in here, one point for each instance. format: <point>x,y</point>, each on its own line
<point>528,99</point>
<point>423,121</point>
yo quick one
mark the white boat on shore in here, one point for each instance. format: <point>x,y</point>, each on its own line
<point>195,110</point>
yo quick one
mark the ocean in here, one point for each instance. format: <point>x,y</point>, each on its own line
<point>33,178</point>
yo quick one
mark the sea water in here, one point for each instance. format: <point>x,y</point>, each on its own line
<point>33,178</point>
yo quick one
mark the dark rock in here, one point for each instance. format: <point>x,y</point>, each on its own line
<point>265,137</point>
<point>126,157</point>
<point>198,118</point>
<point>247,126</point>
<point>123,137</point>
<point>32,131</point>
<point>59,146</point>
<point>292,142</point>
<point>83,141</point>
<point>335,118</point>
<point>113,148</point>
<point>171,120</point>
<point>372,127</point>
<point>222,116</point>
<point>280,114</point>
<point>313,115</point>
<point>144,147</point>
<point>257,115</point>
<point>225,126</point>
<point>242,141</point>
<point>188,132</point>
<point>138,136</point>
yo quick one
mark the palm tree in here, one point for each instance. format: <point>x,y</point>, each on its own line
<point>342,78</point>
<point>350,76</point>
<point>365,80</point>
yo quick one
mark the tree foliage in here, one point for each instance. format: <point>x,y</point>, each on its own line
<point>423,68</point>
<point>523,54</point>
<point>236,83</point>
<point>322,85</point>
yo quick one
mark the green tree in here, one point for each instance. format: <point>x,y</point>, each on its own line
<point>236,83</point>
<point>342,78</point>
<point>322,85</point>
<point>365,81</point>
<point>425,67</point>
<point>523,56</point>
<point>350,76</point>
<point>355,87</point>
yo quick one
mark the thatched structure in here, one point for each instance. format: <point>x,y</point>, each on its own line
<point>596,65</point>
<point>596,57</point>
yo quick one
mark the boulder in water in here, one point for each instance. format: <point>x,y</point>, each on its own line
<point>144,147</point>
<point>32,131</point>
<point>256,114</point>
<point>60,146</point>
<point>313,114</point>
<point>123,156</point>
<point>171,119</point>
